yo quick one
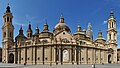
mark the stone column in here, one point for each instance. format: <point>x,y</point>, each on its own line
<point>106,56</point>
<point>43,54</point>
<point>80,55</point>
<point>51,55</point>
<point>6,54</point>
<point>32,55</point>
<point>18,57</point>
<point>100,55</point>
<point>92,58</point>
<point>61,55</point>
<point>75,56</point>
<point>70,55</point>
<point>85,55</point>
<point>14,57</point>
<point>25,55</point>
<point>35,55</point>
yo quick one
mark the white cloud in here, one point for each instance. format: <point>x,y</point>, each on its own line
<point>19,23</point>
<point>28,17</point>
<point>105,22</point>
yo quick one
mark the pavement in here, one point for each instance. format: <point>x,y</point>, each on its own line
<point>2,65</point>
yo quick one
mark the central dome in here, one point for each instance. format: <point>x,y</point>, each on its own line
<point>61,26</point>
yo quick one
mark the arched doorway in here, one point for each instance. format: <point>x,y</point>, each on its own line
<point>11,58</point>
<point>109,58</point>
<point>65,55</point>
<point>110,52</point>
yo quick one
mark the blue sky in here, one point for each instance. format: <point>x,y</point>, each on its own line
<point>74,11</point>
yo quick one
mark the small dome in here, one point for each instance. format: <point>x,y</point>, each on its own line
<point>61,26</point>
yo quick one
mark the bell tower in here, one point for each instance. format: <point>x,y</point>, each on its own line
<point>112,38</point>
<point>29,31</point>
<point>7,34</point>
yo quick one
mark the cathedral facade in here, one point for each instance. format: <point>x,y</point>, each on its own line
<point>60,46</point>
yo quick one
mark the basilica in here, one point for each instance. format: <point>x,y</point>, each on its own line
<point>59,46</point>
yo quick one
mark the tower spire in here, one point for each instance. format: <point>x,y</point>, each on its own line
<point>89,31</point>
<point>29,31</point>
<point>21,30</point>
<point>111,13</point>
<point>89,26</point>
<point>7,33</point>
<point>37,30</point>
<point>21,27</point>
<point>8,8</point>
<point>29,25</point>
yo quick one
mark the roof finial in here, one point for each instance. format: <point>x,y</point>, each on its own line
<point>61,19</point>
<point>45,21</point>
<point>8,8</point>
<point>111,13</point>
<point>20,26</point>
<point>100,34</point>
<point>61,14</point>
<point>29,22</point>
<point>29,25</point>
<point>78,28</point>
<point>89,26</point>
<point>37,26</point>
<point>8,4</point>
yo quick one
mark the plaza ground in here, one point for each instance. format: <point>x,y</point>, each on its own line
<point>2,65</point>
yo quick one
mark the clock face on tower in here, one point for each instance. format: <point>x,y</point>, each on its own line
<point>65,56</point>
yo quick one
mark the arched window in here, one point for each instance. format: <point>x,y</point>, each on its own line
<point>7,19</point>
<point>4,35</point>
<point>114,36</point>
<point>109,36</point>
<point>112,24</point>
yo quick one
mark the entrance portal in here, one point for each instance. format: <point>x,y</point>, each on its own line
<point>11,58</point>
<point>109,58</point>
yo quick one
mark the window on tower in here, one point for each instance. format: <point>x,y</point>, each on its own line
<point>7,19</point>
<point>109,36</point>
<point>114,36</point>
<point>112,24</point>
<point>10,34</point>
<point>4,34</point>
